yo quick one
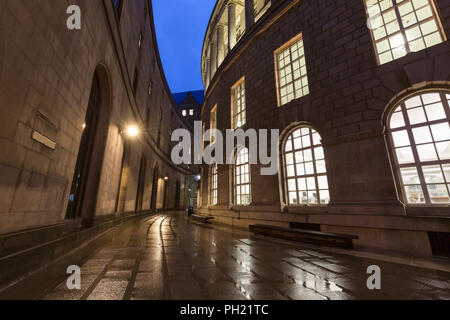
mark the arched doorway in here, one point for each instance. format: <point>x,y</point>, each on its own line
<point>161,194</point>
<point>86,178</point>
<point>154,188</point>
<point>141,184</point>
<point>178,195</point>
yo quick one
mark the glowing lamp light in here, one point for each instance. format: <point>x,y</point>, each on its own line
<point>166,178</point>
<point>132,131</point>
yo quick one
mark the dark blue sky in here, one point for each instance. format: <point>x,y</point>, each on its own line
<point>180,30</point>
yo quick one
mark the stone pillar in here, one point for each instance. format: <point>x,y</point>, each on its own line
<point>231,25</point>
<point>249,14</point>
<point>213,55</point>
<point>208,71</point>
<point>220,44</point>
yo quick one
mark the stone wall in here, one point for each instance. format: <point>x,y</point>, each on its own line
<point>349,94</point>
<point>46,73</point>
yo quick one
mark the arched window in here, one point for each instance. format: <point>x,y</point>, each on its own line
<point>242,178</point>
<point>214,185</point>
<point>420,135</point>
<point>304,168</point>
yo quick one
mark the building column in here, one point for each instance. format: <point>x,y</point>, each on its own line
<point>208,71</point>
<point>231,25</point>
<point>220,44</point>
<point>249,14</point>
<point>213,56</point>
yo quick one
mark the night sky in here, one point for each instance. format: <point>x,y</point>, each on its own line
<point>180,30</point>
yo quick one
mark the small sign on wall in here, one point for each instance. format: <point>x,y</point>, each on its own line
<point>44,140</point>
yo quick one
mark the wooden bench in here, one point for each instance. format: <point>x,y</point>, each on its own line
<point>308,236</point>
<point>200,218</point>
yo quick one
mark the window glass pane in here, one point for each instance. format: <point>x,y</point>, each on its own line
<point>427,152</point>
<point>422,135</point>
<point>438,193</point>
<point>433,174</point>
<point>431,98</point>
<point>323,182</point>
<point>302,184</point>
<point>443,149</point>
<point>435,111</point>
<point>293,198</point>
<point>289,158</point>
<point>410,176</point>
<point>405,155</point>
<point>413,102</point>
<point>416,115</point>
<point>291,185</point>
<point>320,165</point>
<point>401,138</point>
<point>309,168</point>
<point>324,196</point>
<point>318,153</point>
<point>441,131</point>
<point>397,120</point>
<point>414,194</point>
<point>446,169</point>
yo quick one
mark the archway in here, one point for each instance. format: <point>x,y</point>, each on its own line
<point>86,178</point>
<point>141,184</point>
<point>154,188</point>
<point>178,195</point>
<point>161,192</point>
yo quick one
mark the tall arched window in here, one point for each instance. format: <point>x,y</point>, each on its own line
<point>420,135</point>
<point>304,168</point>
<point>214,185</point>
<point>242,178</point>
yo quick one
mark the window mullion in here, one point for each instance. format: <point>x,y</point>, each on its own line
<point>402,27</point>
<point>292,72</point>
<point>446,105</point>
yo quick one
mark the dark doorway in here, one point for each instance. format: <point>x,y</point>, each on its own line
<point>177,195</point>
<point>154,188</point>
<point>86,178</point>
<point>141,184</point>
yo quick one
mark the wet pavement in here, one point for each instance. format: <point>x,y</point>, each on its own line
<point>167,257</point>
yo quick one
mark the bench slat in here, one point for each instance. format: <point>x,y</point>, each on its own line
<point>201,218</point>
<point>308,236</point>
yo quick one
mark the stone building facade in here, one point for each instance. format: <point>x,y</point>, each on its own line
<point>360,91</point>
<point>86,115</point>
<point>189,105</point>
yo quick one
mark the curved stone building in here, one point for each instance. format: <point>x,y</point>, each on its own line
<point>86,115</point>
<point>360,91</point>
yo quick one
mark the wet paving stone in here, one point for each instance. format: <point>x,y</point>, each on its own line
<point>166,257</point>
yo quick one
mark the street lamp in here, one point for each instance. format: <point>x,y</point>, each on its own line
<point>132,131</point>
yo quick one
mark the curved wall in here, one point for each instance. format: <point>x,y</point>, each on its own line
<point>45,87</point>
<point>348,94</point>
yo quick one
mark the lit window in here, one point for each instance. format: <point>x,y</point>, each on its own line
<point>420,134</point>
<point>184,113</point>
<point>242,178</point>
<point>238,106</point>
<point>214,184</point>
<point>260,7</point>
<point>292,75</point>
<point>305,171</point>
<point>213,123</point>
<point>191,112</point>
<point>403,26</point>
